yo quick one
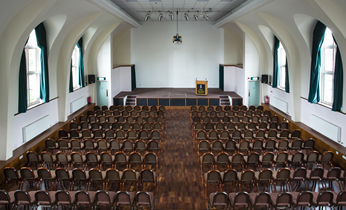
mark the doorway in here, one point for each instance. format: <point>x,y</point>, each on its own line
<point>254,93</point>
<point>102,93</point>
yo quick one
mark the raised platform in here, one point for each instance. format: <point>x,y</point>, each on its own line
<point>176,97</point>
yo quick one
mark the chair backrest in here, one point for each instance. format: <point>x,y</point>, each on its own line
<point>78,174</point>
<point>213,176</point>
<point>112,175</point>
<point>4,198</point>
<point>268,158</point>
<point>299,173</point>
<point>95,175</point>
<point>309,144</point>
<point>341,198</point>
<point>22,198</point>
<point>219,199</point>
<point>140,145</point>
<point>44,174</point>
<point>334,173</point>
<point>42,198</point>
<point>230,176</point>
<point>82,198</point>
<point>147,175</point>
<point>284,199</point>
<point>248,175</point>
<point>317,173</point>
<point>282,157</point>
<point>103,198</point>
<point>304,198</point>
<point>325,198</point>
<point>62,174</point>
<point>241,199</point>
<point>262,199</point>
<point>11,174</point>
<point>27,174</point>
<point>265,175</point>
<point>129,175</point>
<point>50,144</point>
<point>283,174</point>
<point>238,159</point>
<point>327,157</point>
<point>207,158</point>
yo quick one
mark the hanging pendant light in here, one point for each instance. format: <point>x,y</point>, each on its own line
<point>177,39</point>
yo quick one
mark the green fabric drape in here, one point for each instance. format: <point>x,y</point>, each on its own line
<point>221,77</point>
<point>71,79</point>
<point>22,96</point>
<point>44,79</point>
<point>81,63</point>
<point>133,77</point>
<point>287,79</point>
<point>318,37</point>
<point>276,75</point>
<point>338,80</point>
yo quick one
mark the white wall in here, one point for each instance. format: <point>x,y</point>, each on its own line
<point>160,63</point>
<point>325,113</point>
<point>234,77</point>
<point>104,65</point>
<point>121,80</point>
<point>24,119</point>
<point>77,94</point>
<point>280,94</point>
<point>251,67</point>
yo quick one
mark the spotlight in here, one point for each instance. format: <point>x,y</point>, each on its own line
<point>196,17</point>
<point>147,16</point>
<point>206,17</point>
<point>171,16</point>
<point>186,16</point>
<point>160,16</point>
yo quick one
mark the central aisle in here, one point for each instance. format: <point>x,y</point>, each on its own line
<point>179,184</point>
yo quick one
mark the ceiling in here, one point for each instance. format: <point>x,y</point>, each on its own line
<point>139,8</point>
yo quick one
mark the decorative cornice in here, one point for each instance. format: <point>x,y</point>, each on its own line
<point>247,7</point>
<point>115,10</point>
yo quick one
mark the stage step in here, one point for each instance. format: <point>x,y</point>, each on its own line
<point>131,100</point>
<point>224,101</point>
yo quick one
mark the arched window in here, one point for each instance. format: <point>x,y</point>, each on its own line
<point>75,68</point>
<point>33,63</point>
<point>282,66</point>
<point>328,52</point>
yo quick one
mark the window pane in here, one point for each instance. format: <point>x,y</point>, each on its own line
<point>329,59</point>
<point>328,88</point>
<point>32,60</point>
<point>33,88</point>
<point>328,38</point>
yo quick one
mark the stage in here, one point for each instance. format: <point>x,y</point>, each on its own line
<point>176,97</point>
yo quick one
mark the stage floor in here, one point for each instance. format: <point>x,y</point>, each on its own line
<point>175,93</point>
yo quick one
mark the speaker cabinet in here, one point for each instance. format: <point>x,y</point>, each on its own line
<point>91,78</point>
<point>266,79</point>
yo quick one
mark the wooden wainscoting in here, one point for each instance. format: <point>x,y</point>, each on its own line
<point>37,144</point>
<point>322,143</point>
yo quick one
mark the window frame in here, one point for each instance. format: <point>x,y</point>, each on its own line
<point>282,67</point>
<point>324,73</point>
<point>36,72</point>
<point>75,68</point>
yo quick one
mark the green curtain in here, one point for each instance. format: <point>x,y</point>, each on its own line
<point>318,37</point>
<point>276,76</point>
<point>44,79</point>
<point>81,63</point>
<point>133,77</point>
<point>338,80</point>
<point>287,79</point>
<point>221,77</point>
<point>22,96</point>
<point>71,79</point>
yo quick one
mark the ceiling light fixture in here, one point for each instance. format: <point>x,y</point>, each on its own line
<point>195,16</point>
<point>171,16</point>
<point>147,16</point>
<point>177,39</point>
<point>160,17</point>
<point>206,16</point>
<point>186,15</point>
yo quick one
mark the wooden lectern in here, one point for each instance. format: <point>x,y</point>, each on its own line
<point>201,87</point>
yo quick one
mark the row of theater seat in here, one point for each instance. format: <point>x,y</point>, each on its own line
<point>102,145</point>
<point>240,114</point>
<point>77,199</point>
<point>116,125</point>
<point>240,125</point>
<point>91,159</point>
<point>129,108</point>
<point>255,160</point>
<point>225,108</point>
<point>114,117</point>
<point>246,134</point>
<point>285,200</point>
<point>273,178</point>
<point>109,134</point>
<point>258,145</point>
<point>78,176</point>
